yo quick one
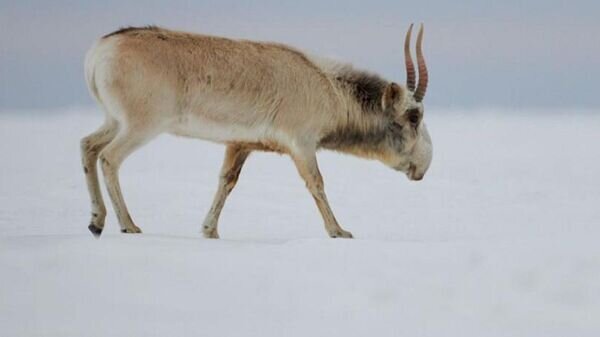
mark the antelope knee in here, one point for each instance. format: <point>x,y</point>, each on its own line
<point>315,184</point>
<point>89,148</point>
<point>228,181</point>
<point>86,145</point>
<point>106,164</point>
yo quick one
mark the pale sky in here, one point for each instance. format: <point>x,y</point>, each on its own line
<point>512,54</point>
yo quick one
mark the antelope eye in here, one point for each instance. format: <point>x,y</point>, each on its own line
<point>413,116</point>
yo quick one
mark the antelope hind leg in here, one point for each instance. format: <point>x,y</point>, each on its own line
<point>90,149</point>
<point>111,158</point>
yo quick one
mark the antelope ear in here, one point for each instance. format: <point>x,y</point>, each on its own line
<point>392,95</point>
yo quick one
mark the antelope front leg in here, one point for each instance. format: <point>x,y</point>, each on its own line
<point>235,156</point>
<point>306,163</point>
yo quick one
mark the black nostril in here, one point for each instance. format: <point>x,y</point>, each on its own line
<point>411,169</point>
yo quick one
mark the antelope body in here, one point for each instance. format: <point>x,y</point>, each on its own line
<point>249,96</point>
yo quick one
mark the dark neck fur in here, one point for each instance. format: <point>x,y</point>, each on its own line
<point>364,130</point>
<point>365,88</point>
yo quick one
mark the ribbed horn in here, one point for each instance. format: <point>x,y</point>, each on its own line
<point>423,75</point>
<point>410,67</point>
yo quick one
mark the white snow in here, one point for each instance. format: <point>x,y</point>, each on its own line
<point>501,238</point>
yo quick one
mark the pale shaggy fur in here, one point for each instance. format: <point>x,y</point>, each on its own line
<point>247,95</point>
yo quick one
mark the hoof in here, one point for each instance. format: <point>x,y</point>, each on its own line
<point>340,233</point>
<point>133,230</point>
<point>96,231</point>
<point>211,234</point>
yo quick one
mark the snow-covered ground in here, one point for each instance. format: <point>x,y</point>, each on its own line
<point>501,238</point>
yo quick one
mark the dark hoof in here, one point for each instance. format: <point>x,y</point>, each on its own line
<point>96,231</point>
<point>134,230</point>
<point>211,233</point>
<point>341,234</point>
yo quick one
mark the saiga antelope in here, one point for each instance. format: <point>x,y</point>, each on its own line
<point>249,96</point>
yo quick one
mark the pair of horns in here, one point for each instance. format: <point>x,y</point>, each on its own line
<point>419,93</point>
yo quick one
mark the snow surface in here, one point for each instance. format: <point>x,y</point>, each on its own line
<point>499,239</point>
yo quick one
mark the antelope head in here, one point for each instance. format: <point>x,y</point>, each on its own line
<point>411,151</point>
